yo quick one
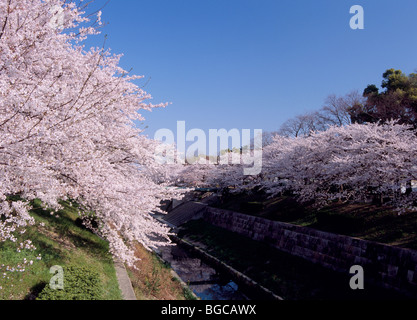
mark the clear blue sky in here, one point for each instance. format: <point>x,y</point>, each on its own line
<point>252,64</point>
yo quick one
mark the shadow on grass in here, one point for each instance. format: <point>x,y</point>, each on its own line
<point>70,227</point>
<point>94,246</point>
<point>35,291</point>
<point>62,218</point>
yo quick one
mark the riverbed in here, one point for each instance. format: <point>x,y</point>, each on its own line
<point>206,282</point>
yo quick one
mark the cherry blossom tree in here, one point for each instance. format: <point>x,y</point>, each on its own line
<point>227,172</point>
<point>345,163</point>
<point>67,127</point>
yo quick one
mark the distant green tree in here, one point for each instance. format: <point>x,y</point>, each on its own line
<point>397,100</point>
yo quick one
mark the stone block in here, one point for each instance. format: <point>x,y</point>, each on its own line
<point>392,270</point>
<point>410,275</point>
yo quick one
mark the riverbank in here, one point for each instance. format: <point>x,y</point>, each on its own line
<point>249,288</point>
<point>153,278</point>
<point>287,276</point>
<point>61,240</point>
<point>199,276</point>
<point>367,221</point>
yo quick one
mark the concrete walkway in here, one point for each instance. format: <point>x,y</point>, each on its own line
<point>125,284</point>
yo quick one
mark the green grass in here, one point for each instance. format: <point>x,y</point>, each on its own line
<point>63,241</point>
<point>290,277</point>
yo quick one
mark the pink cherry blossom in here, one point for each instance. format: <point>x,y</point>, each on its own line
<point>67,126</point>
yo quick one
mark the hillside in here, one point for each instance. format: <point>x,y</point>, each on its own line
<point>61,239</point>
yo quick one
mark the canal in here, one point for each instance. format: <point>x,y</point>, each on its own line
<point>206,282</point>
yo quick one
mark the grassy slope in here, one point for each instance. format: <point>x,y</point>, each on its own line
<point>62,240</point>
<point>152,279</point>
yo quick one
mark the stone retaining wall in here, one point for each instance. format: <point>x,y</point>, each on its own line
<point>387,266</point>
<point>257,291</point>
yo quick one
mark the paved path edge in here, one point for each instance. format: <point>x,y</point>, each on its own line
<point>125,284</point>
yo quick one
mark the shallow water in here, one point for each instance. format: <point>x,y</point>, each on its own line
<point>206,282</point>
